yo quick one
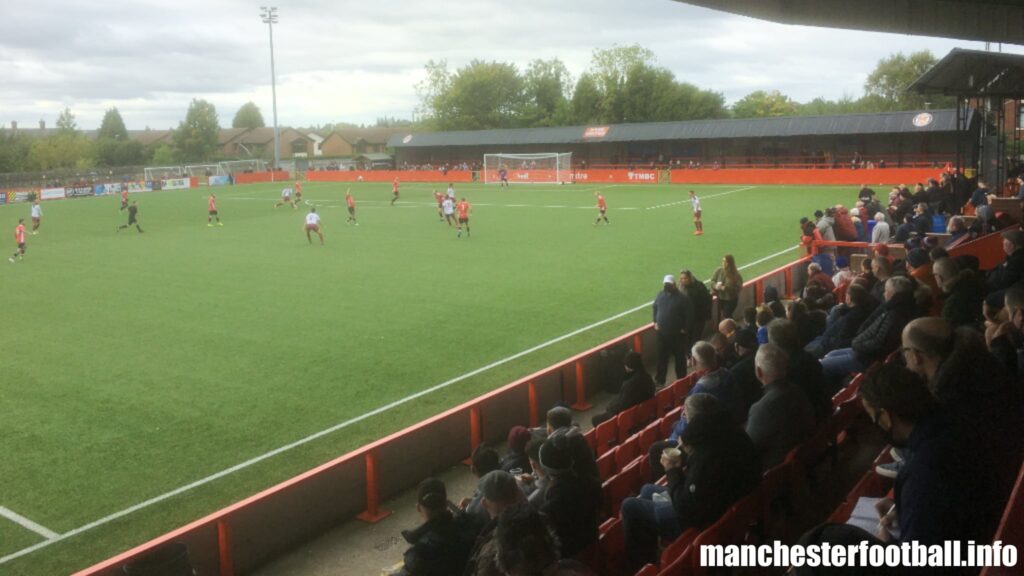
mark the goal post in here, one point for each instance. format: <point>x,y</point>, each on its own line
<point>200,170</point>
<point>243,166</point>
<point>157,173</point>
<point>540,168</point>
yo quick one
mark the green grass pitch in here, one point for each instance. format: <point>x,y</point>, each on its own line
<point>133,364</point>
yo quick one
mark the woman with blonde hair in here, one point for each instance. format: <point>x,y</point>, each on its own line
<point>726,283</point>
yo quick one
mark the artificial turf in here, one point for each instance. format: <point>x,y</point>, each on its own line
<point>133,364</point>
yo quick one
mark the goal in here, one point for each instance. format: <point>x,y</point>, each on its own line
<point>542,168</point>
<point>205,170</point>
<point>157,173</point>
<point>238,166</point>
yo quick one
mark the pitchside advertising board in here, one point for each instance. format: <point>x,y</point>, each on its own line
<point>51,194</point>
<point>19,196</point>
<point>177,183</point>
<point>220,180</point>
<point>617,176</point>
<point>78,191</point>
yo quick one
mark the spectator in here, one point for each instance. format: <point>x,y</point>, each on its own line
<point>1005,332</point>
<point>499,493</point>
<point>934,490</point>
<point>825,224</point>
<point>799,314</point>
<point>802,369</point>
<point>483,461</point>
<point>783,417</point>
<point>726,283</point>
<point>845,230</point>
<point>717,381</point>
<point>743,371</point>
<point>534,485</point>
<point>977,395</point>
<point>572,503</point>
<point>771,299</point>
<point>721,467</point>
<point>843,322</point>
<point>693,404</point>
<point>672,313</point>
<point>919,267</point>
<point>700,299</point>
<point>442,544</point>
<point>878,336</point>
<point>723,349</point>
<point>843,275</point>
<point>583,461</point>
<point>964,292</point>
<point>526,546</point>
<point>764,316</point>
<point>1011,270</point>
<point>980,201</point>
<point>750,317</point>
<point>637,388</point>
<point>814,274</point>
<point>880,234</point>
<point>957,230</point>
<point>727,328</point>
<point>516,459</point>
<point>881,269</point>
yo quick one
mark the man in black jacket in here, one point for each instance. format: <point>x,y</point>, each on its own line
<point>672,313</point>
<point>783,417</point>
<point>637,388</point>
<point>572,503</point>
<point>803,370</point>
<point>700,299</point>
<point>584,463</point>
<point>1011,270</point>
<point>441,545</point>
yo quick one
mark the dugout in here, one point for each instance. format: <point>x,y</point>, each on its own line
<point>899,139</point>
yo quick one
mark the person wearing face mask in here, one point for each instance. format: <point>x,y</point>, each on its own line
<point>934,501</point>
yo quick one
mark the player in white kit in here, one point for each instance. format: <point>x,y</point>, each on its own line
<point>313,225</point>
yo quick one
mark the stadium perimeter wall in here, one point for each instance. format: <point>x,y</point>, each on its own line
<point>753,176</point>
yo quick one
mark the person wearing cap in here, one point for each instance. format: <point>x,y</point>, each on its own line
<point>500,493</point>
<point>672,312</point>
<point>637,388</point>
<point>572,503</point>
<point>559,419</point>
<point>1011,270</point>
<point>919,267</point>
<point>441,545</point>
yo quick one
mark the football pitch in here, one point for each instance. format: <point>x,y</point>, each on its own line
<point>132,365</point>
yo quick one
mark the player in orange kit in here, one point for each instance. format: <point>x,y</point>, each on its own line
<point>351,202</point>
<point>463,209</point>
<point>19,239</point>
<point>439,197</point>
<point>212,204</point>
<point>602,207</point>
<point>394,191</point>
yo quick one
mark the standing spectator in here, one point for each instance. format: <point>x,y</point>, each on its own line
<point>700,299</point>
<point>672,313</point>
<point>637,388</point>
<point>826,227</point>
<point>880,234</point>
<point>727,283</point>
<point>783,417</point>
<point>844,228</point>
<point>441,545</point>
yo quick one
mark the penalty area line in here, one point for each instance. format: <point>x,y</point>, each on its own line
<point>257,459</point>
<point>28,524</point>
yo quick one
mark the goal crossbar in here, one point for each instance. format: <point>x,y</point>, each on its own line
<point>535,168</point>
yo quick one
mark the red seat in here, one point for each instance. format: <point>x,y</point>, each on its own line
<point>664,399</point>
<point>607,435</point>
<point>679,546</point>
<point>650,435</point>
<point>646,412</point>
<point>776,488</point>
<point>1011,526</point>
<point>606,465</point>
<point>627,452</point>
<point>627,423</point>
<point>840,422</point>
<point>626,483</point>
<point>668,422</point>
<point>732,527</point>
<point>681,388</point>
<point>648,570</point>
<point>591,438</point>
<point>612,543</point>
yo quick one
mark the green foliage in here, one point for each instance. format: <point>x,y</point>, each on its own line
<point>196,136</point>
<point>248,116</point>
<point>66,121</point>
<point>586,100</point>
<point>886,86</point>
<point>477,96</point>
<point>112,127</point>
<point>14,150</point>
<point>391,122</point>
<point>762,104</point>
<point>119,153</point>
<point>164,155</point>
<point>547,86</point>
<point>66,149</point>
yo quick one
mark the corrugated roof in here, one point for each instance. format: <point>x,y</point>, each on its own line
<point>777,127</point>
<point>974,73</point>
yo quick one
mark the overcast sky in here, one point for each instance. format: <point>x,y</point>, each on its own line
<point>356,61</point>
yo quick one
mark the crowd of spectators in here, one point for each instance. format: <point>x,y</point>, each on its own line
<point>951,406</point>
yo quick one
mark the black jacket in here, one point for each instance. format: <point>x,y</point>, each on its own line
<point>572,506</point>
<point>746,379</point>
<point>880,333</point>
<point>962,306</point>
<point>672,311</point>
<point>843,323</point>
<point>805,371</point>
<point>723,467</point>
<point>700,298</point>
<point>439,547</point>
<point>636,389</point>
<point>1008,273</point>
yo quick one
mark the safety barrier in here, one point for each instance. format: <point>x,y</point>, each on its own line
<point>812,176</point>
<point>254,177</point>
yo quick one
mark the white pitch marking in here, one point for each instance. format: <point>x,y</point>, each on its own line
<point>241,466</point>
<point>702,198</point>
<point>28,524</point>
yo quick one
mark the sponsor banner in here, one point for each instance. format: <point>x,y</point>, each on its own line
<point>177,184</point>
<point>109,188</point>
<point>616,176</point>
<point>376,176</point>
<point>139,186</point>
<point>20,196</point>
<point>220,180</point>
<point>811,176</point>
<point>596,132</point>
<point>78,191</point>
<point>3,197</point>
<point>51,194</point>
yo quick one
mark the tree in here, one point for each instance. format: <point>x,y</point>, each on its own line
<point>431,90</point>
<point>248,116</point>
<point>586,100</point>
<point>112,127</point>
<point>196,137</point>
<point>66,121</point>
<point>761,104</point>
<point>14,151</point>
<point>478,96</point>
<point>547,86</point>
<point>610,68</point>
<point>886,87</point>
<point>164,156</point>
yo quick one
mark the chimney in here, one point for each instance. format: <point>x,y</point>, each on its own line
<point>42,124</point>
<point>14,124</point>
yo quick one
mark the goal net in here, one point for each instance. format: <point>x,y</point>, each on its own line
<point>157,173</point>
<point>205,170</point>
<point>544,168</point>
<point>240,166</point>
